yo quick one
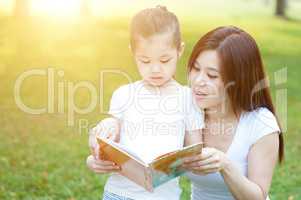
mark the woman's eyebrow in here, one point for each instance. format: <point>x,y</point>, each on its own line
<point>212,69</point>
<point>207,67</point>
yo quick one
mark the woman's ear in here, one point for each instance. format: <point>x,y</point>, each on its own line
<point>181,50</point>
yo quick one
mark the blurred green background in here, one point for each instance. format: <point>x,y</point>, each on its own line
<point>41,156</point>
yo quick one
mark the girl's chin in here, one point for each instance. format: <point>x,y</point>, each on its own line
<point>156,83</point>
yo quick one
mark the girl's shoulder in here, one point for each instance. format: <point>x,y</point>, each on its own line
<point>127,88</point>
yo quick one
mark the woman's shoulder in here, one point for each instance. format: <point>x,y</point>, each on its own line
<point>258,123</point>
<point>260,116</point>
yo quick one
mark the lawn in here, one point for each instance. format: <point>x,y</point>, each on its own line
<point>41,157</point>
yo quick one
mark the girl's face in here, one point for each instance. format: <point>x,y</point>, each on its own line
<point>206,82</point>
<point>156,58</point>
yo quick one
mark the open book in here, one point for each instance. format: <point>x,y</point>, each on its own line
<point>148,175</point>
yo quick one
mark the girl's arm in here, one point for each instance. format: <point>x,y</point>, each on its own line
<point>108,128</point>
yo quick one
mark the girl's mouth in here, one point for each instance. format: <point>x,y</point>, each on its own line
<point>156,78</point>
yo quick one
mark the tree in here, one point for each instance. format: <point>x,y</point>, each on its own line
<point>21,8</point>
<point>280,8</point>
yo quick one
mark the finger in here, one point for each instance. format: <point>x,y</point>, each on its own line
<point>89,161</point>
<point>105,162</point>
<point>105,168</point>
<point>191,159</point>
<point>213,159</point>
<point>214,166</point>
<point>196,158</point>
<point>111,136</point>
<point>205,154</point>
<point>198,172</point>
<point>105,171</point>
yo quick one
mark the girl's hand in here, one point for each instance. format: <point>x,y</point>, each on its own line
<point>101,166</point>
<point>209,161</point>
<point>108,128</point>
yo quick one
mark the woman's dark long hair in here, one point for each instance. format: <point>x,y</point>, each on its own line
<point>242,65</point>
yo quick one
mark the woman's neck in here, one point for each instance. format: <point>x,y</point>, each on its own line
<point>220,113</point>
<point>221,122</point>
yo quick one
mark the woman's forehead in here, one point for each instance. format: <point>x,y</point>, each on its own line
<point>208,59</point>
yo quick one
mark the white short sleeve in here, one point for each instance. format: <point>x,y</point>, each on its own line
<point>194,118</point>
<point>265,123</point>
<point>120,101</point>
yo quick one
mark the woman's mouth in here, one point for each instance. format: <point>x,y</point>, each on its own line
<point>200,94</point>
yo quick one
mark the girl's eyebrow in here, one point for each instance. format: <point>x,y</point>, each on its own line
<point>142,56</point>
<point>165,55</point>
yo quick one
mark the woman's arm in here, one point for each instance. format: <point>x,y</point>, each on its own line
<point>193,137</point>
<point>262,159</point>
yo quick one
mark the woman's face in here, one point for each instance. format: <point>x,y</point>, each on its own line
<point>206,82</point>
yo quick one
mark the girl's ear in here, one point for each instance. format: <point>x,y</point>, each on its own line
<point>131,50</point>
<point>181,50</point>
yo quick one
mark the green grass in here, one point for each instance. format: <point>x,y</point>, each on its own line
<point>43,158</point>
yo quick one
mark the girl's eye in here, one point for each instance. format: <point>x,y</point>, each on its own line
<point>165,61</point>
<point>145,61</point>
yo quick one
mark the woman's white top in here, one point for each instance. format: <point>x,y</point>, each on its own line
<point>251,127</point>
<point>152,124</point>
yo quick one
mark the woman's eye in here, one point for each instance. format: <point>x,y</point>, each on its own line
<point>195,68</point>
<point>212,76</point>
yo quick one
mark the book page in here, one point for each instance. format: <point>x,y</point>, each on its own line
<point>167,166</point>
<point>132,168</point>
<point>122,148</point>
<point>127,150</point>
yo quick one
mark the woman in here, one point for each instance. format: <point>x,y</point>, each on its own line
<point>242,138</point>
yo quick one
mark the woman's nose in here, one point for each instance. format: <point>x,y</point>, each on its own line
<point>200,80</point>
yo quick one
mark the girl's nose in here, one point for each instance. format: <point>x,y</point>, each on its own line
<point>156,68</point>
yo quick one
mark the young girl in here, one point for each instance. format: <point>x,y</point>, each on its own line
<point>155,115</point>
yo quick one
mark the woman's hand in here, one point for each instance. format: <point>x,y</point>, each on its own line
<point>101,166</point>
<point>209,161</point>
